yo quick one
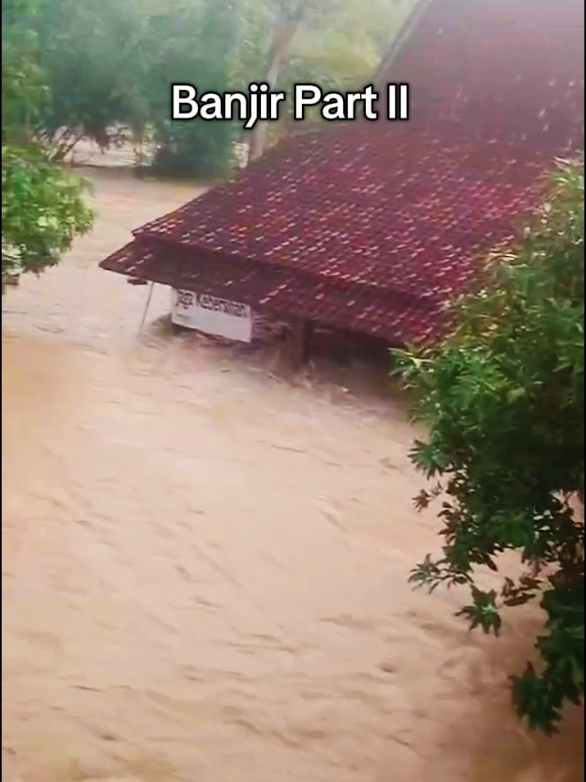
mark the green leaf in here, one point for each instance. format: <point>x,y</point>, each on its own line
<point>503,403</point>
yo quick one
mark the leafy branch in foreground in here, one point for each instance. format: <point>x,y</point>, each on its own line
<point>42,211</point>
<point>503,402</point>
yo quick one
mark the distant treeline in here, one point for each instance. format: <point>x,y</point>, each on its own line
<point>110,64</point>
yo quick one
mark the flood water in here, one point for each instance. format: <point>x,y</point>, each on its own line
<point>204,569</point>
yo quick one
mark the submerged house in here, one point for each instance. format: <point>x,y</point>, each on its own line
<point>371,227</point>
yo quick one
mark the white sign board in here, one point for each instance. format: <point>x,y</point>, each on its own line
<point>220,317</point>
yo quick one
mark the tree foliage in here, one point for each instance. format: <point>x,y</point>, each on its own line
<point>42,205</point>
<point>503,399</point>
<point>42,210</point>
<point>109,65</point>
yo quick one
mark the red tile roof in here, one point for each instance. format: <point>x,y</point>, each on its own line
<point>374,225</point>
<point>511,70</point>
<point>383,314</point>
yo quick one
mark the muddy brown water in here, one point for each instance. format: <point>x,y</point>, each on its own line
<point>205,570</point>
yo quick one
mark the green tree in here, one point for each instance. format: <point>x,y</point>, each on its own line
<point>93,57</point>
<point>109,68</point>
<point>42,205</point>
<point>203,51</point>
<point>503,400</point>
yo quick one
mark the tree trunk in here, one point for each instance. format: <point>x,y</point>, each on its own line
<point>281,40</point>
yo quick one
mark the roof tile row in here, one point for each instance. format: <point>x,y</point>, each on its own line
<point>384,314</point>
<point>412,220</point>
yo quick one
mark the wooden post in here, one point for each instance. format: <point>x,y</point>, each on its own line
<point>298,348</point>
<point>146,308</point>
<point>308,329</point>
